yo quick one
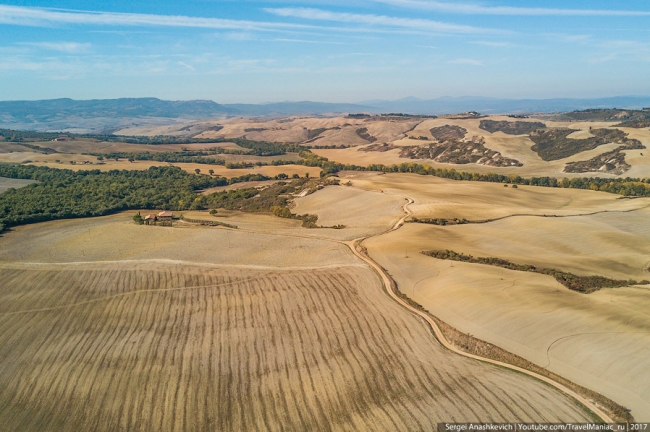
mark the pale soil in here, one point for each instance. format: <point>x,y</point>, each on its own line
<point>8,183</point>
<point>510,146</point>
<point>606,334</point>
<point>442,198</point>
<point>116,237</point>
<point>293,129</point>
<point>363,213</point>
<point>228,335</point>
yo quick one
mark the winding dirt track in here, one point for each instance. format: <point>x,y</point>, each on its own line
<point>387,281</point>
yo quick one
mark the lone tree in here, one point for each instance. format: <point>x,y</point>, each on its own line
<point>198,171</point>
<point>211,172</point>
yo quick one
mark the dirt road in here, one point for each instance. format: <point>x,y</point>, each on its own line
<point>386,280</point>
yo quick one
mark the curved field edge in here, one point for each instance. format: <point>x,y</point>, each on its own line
<point>592,400</point>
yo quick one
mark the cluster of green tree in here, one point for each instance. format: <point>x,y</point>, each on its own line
<point>407,115</point>
<point>583,284</point>
<point>254,200</point>
<point>274,199</point>
<point>358,115</point>
<point>363,134</point>
<point>61,194</point>
<point>21,136</point>
<point>637,124</point>
<point>44,150</point>
<point>554,144</point>
<point>330,147</point>
<point>241,165</point>
<point>448,132</point>
<point>441,221</point>
<point>199,157</point>
<point>64,194</point>
<point>207,222</point>
<point>511,128</point>
<point>632,187</point>
<point>614,114</point>
<point>264,148</point>
<point>254,129</point>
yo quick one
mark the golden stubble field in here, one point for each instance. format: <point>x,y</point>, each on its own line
<point>105,325</point>
<point>599,341</point>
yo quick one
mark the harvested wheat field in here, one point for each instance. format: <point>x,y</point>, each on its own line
<point>362,212</point>
<point>442,198</point>
<point>187,328</point>
<point>599,340</point>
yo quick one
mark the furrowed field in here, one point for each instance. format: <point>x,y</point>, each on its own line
<point>178,337</point>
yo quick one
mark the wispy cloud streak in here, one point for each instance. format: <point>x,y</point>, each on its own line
<point>379,20</point>
<point>479,9</point>
<point>67,47</point>
<point>30,16</point>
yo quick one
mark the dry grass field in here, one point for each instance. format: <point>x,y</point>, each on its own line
<point>363,213</point>
<point>598,340</point>
<point>106,325</point>
<point>336,130</point>
<point>516,147</point>
<point>443,198</point>
<point>8,183</point>
<point>357,133</point>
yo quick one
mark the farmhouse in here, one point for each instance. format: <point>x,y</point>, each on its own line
<point>164,215</point>
<point>150,219</point>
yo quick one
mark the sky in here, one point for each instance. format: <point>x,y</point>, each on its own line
<point>247,51</point>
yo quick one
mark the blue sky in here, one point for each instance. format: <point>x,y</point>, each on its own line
<point>324,50</point>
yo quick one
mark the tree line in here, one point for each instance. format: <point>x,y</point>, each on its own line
<point>65,194</point>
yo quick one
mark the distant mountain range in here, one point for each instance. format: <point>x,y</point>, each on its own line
<point>105,115</point>
<point>449,105</point>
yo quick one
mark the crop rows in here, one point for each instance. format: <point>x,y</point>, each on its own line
<point>155,347</point>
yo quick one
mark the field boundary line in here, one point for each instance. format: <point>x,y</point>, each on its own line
<point>550,216</point>
<point>388,284</point>
<point>20,264</point>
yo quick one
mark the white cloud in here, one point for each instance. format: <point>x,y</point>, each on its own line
<point>31,16</point>
<point>186,66</point>
<point>67,47</point>
<point>478,9</point>
<point>466,61</point>
<point>378,20</point>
